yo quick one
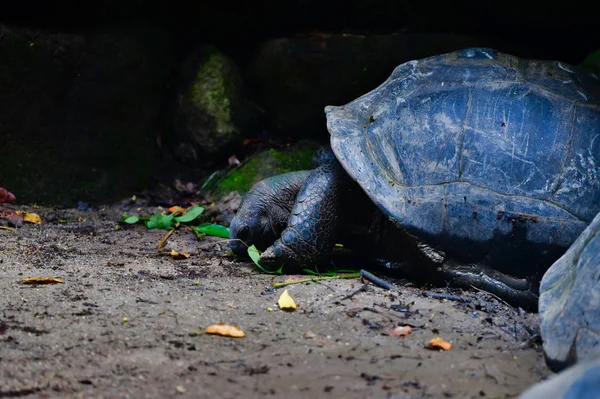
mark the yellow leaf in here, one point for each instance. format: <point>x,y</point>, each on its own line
<point>178,255</point>
<point>286,302</point>
<point>41,280</point>
<point>225,330</point>
<point>439,343</point>
<point>32,218</point>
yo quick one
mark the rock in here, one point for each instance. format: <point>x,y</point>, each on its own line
<point>569,302</point>
<point>294,78</point>
<point>578,382</point>
<point>210,114</point>
<point>267,163</point>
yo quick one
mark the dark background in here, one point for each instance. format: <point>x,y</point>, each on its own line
<point>563,30</point>
<point>109,150</point>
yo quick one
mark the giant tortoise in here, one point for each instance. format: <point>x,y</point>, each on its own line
<point>481,169</point>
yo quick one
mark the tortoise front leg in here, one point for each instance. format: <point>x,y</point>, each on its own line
<point>314,220</point>
<point>265,211</point>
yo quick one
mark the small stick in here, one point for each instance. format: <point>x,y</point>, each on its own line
<point>6,228</point>
<point>313,279</point>
<point>494,295</point>
<point>364,287</point>
<point>450,297</point>
<point>166,237</point>
<point>376,280</point>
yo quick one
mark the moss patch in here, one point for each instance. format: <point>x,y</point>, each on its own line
<point>210,91</point>
<point>591,63</point>
<point>265,164</point>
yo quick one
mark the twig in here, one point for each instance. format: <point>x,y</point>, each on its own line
<point>314,279</point>
<point>376,280</point>
<point>494,295</point>
<point>166,237</point>
<point>6,228</point>
<point>449,297</point>
<point>364,287</point>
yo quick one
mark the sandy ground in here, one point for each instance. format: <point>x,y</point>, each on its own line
<point>128,322</point>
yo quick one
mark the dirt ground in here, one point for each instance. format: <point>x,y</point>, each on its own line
<point>127,323</point>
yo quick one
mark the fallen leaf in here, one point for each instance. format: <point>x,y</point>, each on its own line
<point>189,214</point>
<point>178,255</point>
<point>6,196</point>
<point>41,280</point>
<point>439,343</point>
<point>400,331</point>
<point>286,302</point>
<point>225,330</point>
<point>309,334</point>
<point>188,188</point>
<point>175,209</point>
<point>212,229</point>
<point>233,161</point>
<point>255,255</point>
<point>131,219</point>
<point>32,218</point>
<point>250,140</point>
<point>15,218</point>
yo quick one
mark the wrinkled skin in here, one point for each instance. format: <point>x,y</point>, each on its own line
<point>264,211</point>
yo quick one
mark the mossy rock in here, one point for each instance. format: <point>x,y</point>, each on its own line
<point>209,114</point>
<point>265,164</point>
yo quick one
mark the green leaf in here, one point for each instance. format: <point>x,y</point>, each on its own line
<point>160,221</point>
<point>213,230</point>
<point>254,255</point>
<point>132,219</point>
<point>190,215</point>
<point>129,219</point>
